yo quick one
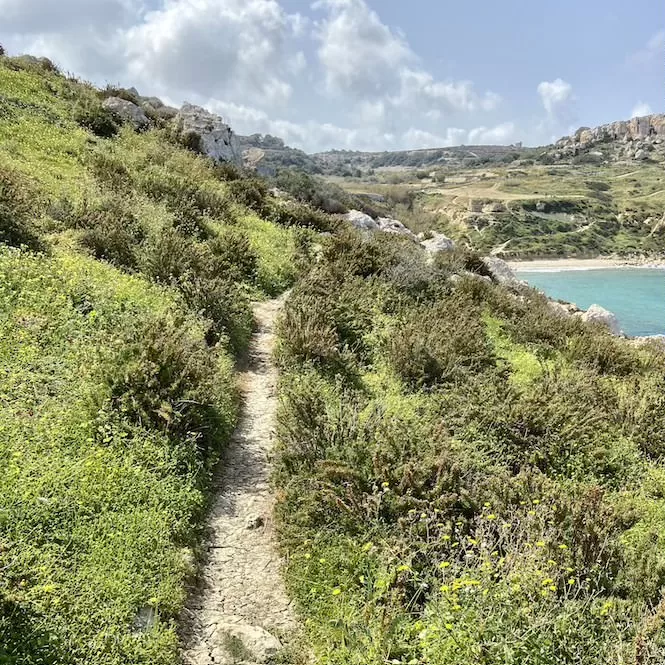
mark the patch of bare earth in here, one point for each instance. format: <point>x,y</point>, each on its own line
<point>241,613</point>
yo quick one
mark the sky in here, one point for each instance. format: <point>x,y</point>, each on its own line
<point>366,74</point>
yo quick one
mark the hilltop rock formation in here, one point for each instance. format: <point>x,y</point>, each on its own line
<point>127,111</point>
<point>634,139</point>
<point>217,140</point>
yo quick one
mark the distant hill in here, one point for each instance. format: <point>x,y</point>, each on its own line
<point>268,153</point>
<point>636,140</point>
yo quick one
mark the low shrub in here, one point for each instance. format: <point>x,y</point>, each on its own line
<point>90,114</point>
<point>220,301</point>
<point>439,343</point>
<point>110,170</point>
<point>165,378</point>
<point>251,193</point>
<point>308,332</point>
<point>314,191</point>
<point>188,201</point>
<point>110,230</point>
<point>231,254</point>
<point>16,209</point>
<point>166,257</point>
<point>297,214</point>
<point>597,349</point>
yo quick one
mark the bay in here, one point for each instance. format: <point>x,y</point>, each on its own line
<point>635,295</point>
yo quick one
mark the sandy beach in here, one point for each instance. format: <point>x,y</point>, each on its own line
<point>557,265</point>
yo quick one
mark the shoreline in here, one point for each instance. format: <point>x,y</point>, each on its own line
<point>601,263</point>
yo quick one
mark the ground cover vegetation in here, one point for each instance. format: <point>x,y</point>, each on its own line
<point>464,476</point>
<point>127,267</point>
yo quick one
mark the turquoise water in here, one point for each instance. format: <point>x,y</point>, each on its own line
<point>635,295</point>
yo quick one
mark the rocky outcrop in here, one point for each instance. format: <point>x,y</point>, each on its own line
<point>216,138</point>
<point>561,309</point>
<point>127,111</point>
<point>632,139</point>
<point>361,221</point>
<point>600,316</point>
<point>388,225</point>
<point>500,271</point>
<point>438,243</point>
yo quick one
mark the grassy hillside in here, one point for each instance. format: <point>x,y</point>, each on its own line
<point>532,211</point>
<point>465,476</point>
<point>127,267</point>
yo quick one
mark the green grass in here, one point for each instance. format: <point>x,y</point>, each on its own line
<point>97,513</point>
<point>117,391</point>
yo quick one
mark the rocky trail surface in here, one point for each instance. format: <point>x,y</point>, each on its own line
<point>241,610</point>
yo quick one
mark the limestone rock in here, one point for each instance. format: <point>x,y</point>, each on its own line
<point>243,643</point>
<point>562,310</point>
<point>361,221</point>
<point>500,270</point>
<point>438,243</point>
<point>127,111</point>
<point>217,139</point>
<point>155,102</point>
<point>599,315</point>
<point>388,225</point>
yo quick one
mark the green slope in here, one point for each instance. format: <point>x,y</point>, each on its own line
<point>127,265</point>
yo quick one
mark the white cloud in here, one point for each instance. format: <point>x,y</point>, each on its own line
<point>363,59</point>
<point>253,62</point>
<point>555,95</point>
<point>641,109</point>
<point>499,135</point>
<point>415,139</point>
<point>651,52</point>
<point>419,88</point>
<point>210,47</point>
<point>360,54</point>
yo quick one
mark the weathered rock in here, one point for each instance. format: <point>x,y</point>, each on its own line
<point>641,155</point>
<point>243,643</point>
<point>563,310</point>
<point>438,243</point>
<point>361,221</point>
<point>388,225</point>
<point>155,102</point>
<point>217,140</point>
<point>167,112</point>
<point>127,111</point>
<point>500,270</point>
<point>599,315</point>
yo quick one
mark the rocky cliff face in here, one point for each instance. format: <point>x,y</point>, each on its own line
<point>637,139</point>
<point>217,140</point>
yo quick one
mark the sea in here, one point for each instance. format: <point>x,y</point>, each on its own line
<point>635,295</point>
